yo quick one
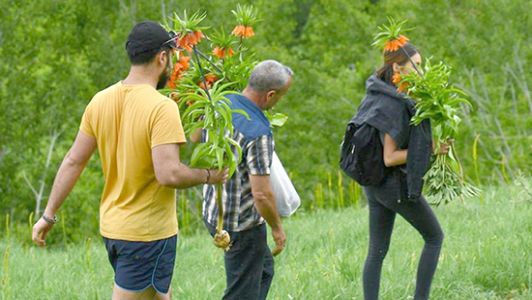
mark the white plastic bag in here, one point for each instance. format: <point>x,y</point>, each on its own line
<point>286,196</point>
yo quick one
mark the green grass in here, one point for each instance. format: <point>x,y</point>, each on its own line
<point>486,255</point>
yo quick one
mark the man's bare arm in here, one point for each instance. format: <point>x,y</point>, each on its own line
<point>68,174</point>
<point>171,172</point>
<point>265,203</point>
<point>73,164</point>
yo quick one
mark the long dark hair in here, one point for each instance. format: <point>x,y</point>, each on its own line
<point>399,56</point>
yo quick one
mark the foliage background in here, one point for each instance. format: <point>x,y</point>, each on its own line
<point>55,55</point>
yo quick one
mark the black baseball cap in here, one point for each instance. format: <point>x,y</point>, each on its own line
<point>148,35</point>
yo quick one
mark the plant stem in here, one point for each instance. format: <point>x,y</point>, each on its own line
<point>240,47</point>
<point>205,88</point>
<point>209,60</point>
<point>220,223</point>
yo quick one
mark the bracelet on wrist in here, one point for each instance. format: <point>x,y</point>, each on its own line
<point>49,220</point>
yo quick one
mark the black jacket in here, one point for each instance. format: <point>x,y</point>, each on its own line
<point>390,112</point>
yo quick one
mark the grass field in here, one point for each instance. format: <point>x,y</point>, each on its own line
<point>486,255</point>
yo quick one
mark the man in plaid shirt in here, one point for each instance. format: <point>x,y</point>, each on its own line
<point>247,197</point>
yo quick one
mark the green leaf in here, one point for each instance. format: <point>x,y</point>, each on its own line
<point>242,112</point>
<point>278,119</point>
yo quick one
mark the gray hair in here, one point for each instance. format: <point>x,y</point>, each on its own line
<point>269,75</point>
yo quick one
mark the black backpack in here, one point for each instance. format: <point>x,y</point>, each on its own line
<point>361,154</point>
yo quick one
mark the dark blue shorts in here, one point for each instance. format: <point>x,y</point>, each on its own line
<point>139,265</point>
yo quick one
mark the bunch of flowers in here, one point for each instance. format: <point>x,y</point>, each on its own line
<point>199,83</point>
<point>438,100</point>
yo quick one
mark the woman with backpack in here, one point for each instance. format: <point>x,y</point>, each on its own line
<point>406,154</point>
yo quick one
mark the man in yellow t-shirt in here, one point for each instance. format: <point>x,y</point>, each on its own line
<point>137,132</point>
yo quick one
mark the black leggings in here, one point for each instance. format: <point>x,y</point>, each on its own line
<point>383,206</point>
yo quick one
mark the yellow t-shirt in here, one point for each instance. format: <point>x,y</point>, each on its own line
<point>127,122</point>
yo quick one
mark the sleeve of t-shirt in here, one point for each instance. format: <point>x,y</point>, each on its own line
<point>85,125</point>
<point>259,155</point>
<point>166,127</point>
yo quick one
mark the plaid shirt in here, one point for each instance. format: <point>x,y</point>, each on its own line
<point>255,138</point>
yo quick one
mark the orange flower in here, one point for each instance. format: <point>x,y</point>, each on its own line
<point>401,87</point>
<point>396,78</point>
<point>209,80</point>
<point>190,39</point>
<point>222,52</point>
<point>174,78</point>
<point>249,32</point>
<point>402,40</point>
<point>199,35</point>
<point>184,62</point>
<point>179,68</point>
<point>395,44</point>
<point>243,31</point>
<point>239,30</point>
<point>218,52</point>
<point>184,42</point>
<point>172,82</point>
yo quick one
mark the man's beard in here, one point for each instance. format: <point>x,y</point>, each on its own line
<point>163,80</point>
<point>165,75</point>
